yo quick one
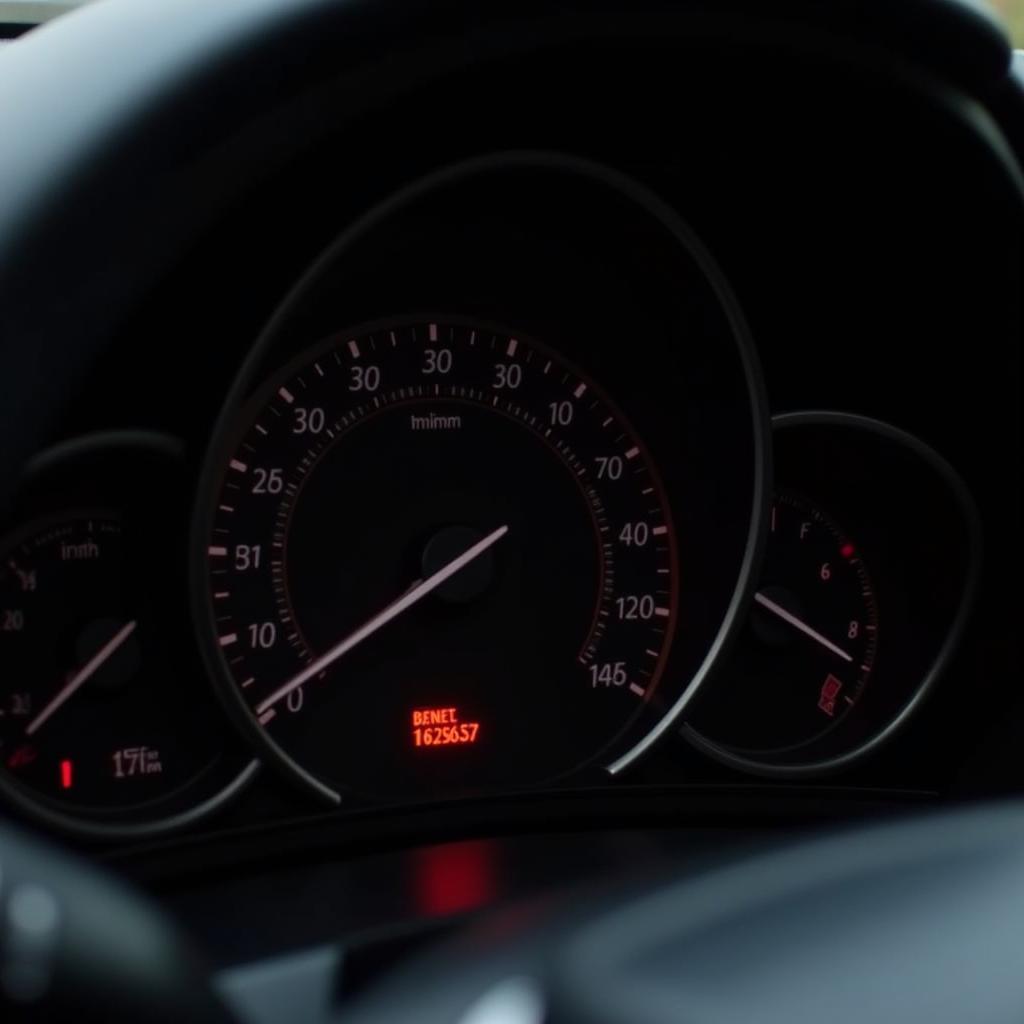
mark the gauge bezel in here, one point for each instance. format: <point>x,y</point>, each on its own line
<point>252,377</point>
<point>797,501</point>
<point>65,459</point>
<point>919,692</point>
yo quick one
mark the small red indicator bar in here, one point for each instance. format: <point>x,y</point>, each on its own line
<point>67,777</point>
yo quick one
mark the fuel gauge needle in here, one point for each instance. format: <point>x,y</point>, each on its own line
<point>777,609</point>
<point>82,676</point>
<point>415,593</point>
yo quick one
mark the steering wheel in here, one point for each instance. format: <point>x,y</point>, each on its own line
<point>110,170</point>
<point>909,922</point>
<point>913,921</point>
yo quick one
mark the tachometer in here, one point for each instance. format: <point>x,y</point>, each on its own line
<point>438,559</point>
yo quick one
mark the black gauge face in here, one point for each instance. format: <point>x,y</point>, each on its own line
<point>439,560</point>
<point>809,646</point>
<point>95,721</point>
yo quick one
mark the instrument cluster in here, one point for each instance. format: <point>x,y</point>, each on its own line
<point>471,523</point>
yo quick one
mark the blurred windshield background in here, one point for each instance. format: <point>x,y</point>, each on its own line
<point>1012,12</point>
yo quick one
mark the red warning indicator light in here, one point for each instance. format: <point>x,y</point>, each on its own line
<point>440,727</point>
<point>847,550</point>
<point>455,878</point>
<point>67,774</point>
<point>829,692</point>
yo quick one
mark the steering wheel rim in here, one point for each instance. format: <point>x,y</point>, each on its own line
<point>918,920</point>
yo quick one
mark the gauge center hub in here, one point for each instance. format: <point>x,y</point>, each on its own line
<point>470,582</point>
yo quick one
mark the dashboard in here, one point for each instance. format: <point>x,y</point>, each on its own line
<point>629,445</point>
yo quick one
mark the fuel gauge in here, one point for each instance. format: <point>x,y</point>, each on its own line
<point>867,520</point>
<point>806,656</point>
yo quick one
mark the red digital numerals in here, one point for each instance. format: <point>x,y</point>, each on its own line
<point>440,727</point>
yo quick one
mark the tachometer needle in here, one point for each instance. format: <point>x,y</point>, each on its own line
<point>776,609</point>
<point>83,675</point>
<point>415,593</point>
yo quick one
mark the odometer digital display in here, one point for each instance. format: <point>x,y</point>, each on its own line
<point>438,560</point>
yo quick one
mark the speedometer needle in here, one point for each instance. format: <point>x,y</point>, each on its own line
<point>415,593</point>
<point>83,675</point>
<point>777,609</point>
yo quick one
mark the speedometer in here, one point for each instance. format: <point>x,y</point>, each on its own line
<point>431,555</point>
<point>439,559</point>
